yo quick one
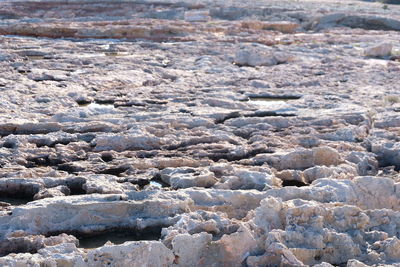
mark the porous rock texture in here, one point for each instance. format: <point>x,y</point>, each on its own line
<point>199,133</point>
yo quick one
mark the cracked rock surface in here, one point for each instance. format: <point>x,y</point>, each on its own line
<point>199,133</point>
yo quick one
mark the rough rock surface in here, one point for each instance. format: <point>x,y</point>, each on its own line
<point>199,133</point>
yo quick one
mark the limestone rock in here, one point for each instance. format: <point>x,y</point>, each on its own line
<point>189,250</point>
<point>233,133</point>
<point>143,253</point>
<point>187,177</point>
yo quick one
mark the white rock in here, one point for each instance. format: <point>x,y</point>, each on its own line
<point>135,254</point>
<point>91,213</point>
<point>188,177</point>
<point>191,249</point>
<point>244,179</point>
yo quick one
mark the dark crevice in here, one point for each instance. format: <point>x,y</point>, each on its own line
<point>118,236</point>
<point>129,104</point>
<point>14,200</point>
<point>115,235</point>
<point>232,157</point>
<point>293,183</point>
<point>18,245</point>
<point>70,168</point>
<point>269,114</point>
<point>232,115</point>
<point>146,154</point>
<point>243,133</point>
<point>107,157</point>
<point>42,143</point>
<point>115,170</point>
<point>37,162</point>
<point>141,182</point>
<point>388,161</point>
<point>18,194</point>
<point>75,186</point>
<point>83,102</point>
<point>104,101</point>
<point>155,102</point>
<point>9,144</point>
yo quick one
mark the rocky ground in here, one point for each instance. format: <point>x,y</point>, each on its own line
<point>199,133</point>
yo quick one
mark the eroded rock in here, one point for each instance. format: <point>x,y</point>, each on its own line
<point>175,133</point>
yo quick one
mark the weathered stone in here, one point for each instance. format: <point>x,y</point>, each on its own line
<point>143,253</point>
<point>199,133</point>
<point>61,190</point>
<point>381,50</point>
<point>187,177</point>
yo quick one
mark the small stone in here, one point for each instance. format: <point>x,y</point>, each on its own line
<point>381,50</point>
<point>253,58</point>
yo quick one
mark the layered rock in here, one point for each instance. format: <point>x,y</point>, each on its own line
<point>215,133</point>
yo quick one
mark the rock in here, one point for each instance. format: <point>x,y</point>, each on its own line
<point>386,153</point>
<point>294,175</point>
<point>106,185</point>
<point>20,187</point>
<point>189,249</point>
<point>197,16</point>
<point>199,222</point>
<point>199,133</point>
<point>44,75</point>
<point>260,84</point>
<point>235,203</point>
<point>61,190</point>
<point>361,192</point>
<point>124,142</point>
<point>307,252</point>
<point>387,121</point>
<point>221,252</point>
<point>325,264</point>
<point>284,26</point>
<point>252,58</point>
<point>248,180</point>
<point>21,127</point>
<point>381,50</point>
<point>363,21</point>
<point>187,177</point>
<point>391,249</point>
<point>341,171</point>
<point>143,253</point>
<point>260,58</point>
<point>22,243</point>
<point>107,211</point>
<point>355,263</point>
<point>305,158</point>
<point>66,254</point>
<point>367,163</point>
